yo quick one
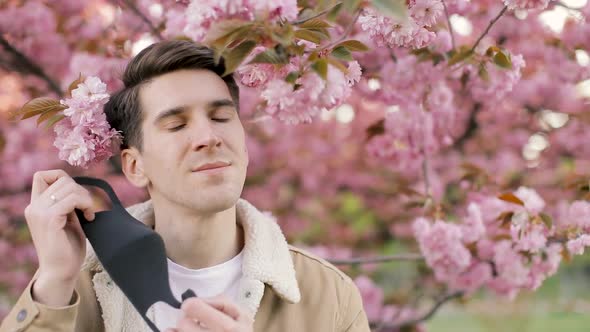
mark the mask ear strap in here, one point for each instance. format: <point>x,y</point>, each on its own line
<point>84,180</point>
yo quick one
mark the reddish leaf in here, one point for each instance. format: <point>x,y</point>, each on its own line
<point>510,197</point>
<point>39,106</point>
<point>75,83</point>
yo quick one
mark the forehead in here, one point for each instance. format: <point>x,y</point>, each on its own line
<point>183,87</point>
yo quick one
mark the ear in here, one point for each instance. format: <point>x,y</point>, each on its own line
<point>132,167</point>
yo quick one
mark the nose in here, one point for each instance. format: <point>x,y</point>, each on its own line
<point>204,138</point>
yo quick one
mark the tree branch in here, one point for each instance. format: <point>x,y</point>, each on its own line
<point>425,176</point>
<point>377,259</point>
<point>139,14</point>
<point>347,31</point>
<point>492,22</point>
<point>31,66</point>
<point>426,316</point>
<point>323,12</point>
<point>472,126</point>
<point>449,24</point>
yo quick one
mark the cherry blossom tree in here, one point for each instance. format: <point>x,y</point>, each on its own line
<point>446,136</point>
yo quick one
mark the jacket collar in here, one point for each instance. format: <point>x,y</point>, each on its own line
<point>266,253</point>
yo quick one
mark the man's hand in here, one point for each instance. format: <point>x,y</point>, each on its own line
<point>216,314</point>
<point>57,234</point>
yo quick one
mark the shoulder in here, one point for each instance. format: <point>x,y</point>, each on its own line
<point>316,274</point>
<point>308,262</point>
<point>323,285</point>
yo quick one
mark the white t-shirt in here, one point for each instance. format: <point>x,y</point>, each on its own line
<point>206,282</point>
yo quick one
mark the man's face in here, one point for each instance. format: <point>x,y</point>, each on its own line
<point>194,150</point>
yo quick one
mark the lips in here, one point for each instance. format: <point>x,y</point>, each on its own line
<point>217,164</point>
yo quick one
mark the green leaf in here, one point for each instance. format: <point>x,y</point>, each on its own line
<point>270,56</point>
<point>237,55</point>
<point>321,67</point>
<point>336,63</point>
<point>341,52</point>
<point>351,5</point>
<point>510,197</point>
<point>284,36</point>
<point>392,8</point>
<point>53,120</point>
<point>224,33</point>
<point>353,45</point>
<point>315,23</point>
<point>333,13</point>
<point>47,115</point>
<point>547,220</point>
<point>292,77</point>
<point>492,50</point>
<point>460,56</point>
<point>502,60</point>
<point>310,35</point>
<point>483,72</point>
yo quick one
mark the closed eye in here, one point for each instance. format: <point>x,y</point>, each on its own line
<point>177,128</point>
<point>220,119</point>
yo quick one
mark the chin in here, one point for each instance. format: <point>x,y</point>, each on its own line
<point>213,202</point>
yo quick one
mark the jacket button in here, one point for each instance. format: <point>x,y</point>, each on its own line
<point>248,294</point>
<point>21,315</point>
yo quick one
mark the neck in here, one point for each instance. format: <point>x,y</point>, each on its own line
<point>197,241</point>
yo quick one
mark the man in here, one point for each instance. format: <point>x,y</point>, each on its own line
<point>185,143</point>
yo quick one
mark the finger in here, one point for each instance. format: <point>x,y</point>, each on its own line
<point>224,305</point>
<point>43,179</point>
<point>73,187</point>
<point>185,324</point>
<point>60,185</point>
<point>214,319</point>
<point>73,201</point>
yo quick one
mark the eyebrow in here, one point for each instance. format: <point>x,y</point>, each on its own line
<point>212,105</point>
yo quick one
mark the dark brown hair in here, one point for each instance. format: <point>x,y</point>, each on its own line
<point>123,110</point>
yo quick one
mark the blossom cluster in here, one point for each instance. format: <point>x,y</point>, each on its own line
<point>411,32</point>
<point>85,136</point>
<point>200,15</point>
<point>504,246</point>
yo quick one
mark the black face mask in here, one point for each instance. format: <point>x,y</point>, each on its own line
<point>131,252</point>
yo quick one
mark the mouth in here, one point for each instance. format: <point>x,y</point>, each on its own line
<point>211,166</point>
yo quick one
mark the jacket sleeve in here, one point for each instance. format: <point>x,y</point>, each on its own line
<point>27,315</point>
<point>353,316</point>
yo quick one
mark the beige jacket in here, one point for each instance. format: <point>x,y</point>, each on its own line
<point>285,288</point>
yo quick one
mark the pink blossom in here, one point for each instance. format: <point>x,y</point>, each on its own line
<point>85,136</point>
<point>426,12</point>
<point>200,15</point>
<point>87,101</point>
<point>577,245</point>
<point>476,276</point>
<point>443,42</point>
<point>441,246</point>
<point>472,228</point>
<point>395,32</point>
<point>273,9</point>
<point>511,269</point>
<point>533,203</point>
<point>579,215</point>
<point>255,75</point>
<point>501,81</point>
<point>526,4</point>
<point>354,73</point>
<point>529,237</point>
<point>372,297</point>
<point>544,266</point>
